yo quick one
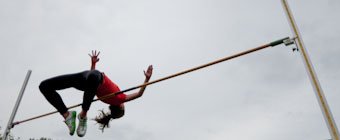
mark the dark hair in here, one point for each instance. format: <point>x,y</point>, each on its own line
<point>104,118</point>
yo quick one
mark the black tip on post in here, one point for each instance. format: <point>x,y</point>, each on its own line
<point>15,123</point>
<point>277,42</point>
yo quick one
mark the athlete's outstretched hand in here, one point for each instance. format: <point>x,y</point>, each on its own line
<point>148,72</point>
<point>136,95</point>
<point>94,56</point>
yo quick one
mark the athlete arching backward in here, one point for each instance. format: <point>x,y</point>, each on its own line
<point>93,83</point>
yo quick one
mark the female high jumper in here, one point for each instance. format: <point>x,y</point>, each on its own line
<point>93,83</point>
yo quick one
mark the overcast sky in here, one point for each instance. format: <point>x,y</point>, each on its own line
<point>262,96</point>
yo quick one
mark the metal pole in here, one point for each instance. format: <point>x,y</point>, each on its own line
<point>333,130</point>
<point>10,122</point>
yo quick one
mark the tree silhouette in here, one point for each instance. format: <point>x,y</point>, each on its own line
<point>11,137</point>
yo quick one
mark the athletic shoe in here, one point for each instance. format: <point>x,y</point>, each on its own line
<point>71,121</point>
<point>82,126</point>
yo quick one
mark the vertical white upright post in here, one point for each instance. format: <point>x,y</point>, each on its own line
<point>333,130</point>
<point>15,109</point>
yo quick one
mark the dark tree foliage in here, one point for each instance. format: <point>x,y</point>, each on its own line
<point>11,137</point>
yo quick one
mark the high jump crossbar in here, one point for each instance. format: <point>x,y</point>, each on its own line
<point>285,40</point>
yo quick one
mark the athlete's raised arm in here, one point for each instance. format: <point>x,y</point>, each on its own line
<point>136,95</point>
<point>94,59</point>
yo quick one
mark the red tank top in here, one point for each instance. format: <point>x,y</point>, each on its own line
<point>108,87</point>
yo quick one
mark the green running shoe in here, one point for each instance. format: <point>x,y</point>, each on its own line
<point>82,126</point>
<point>71,121</point>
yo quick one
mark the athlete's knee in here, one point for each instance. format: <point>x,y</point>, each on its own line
<point>44,87</point>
